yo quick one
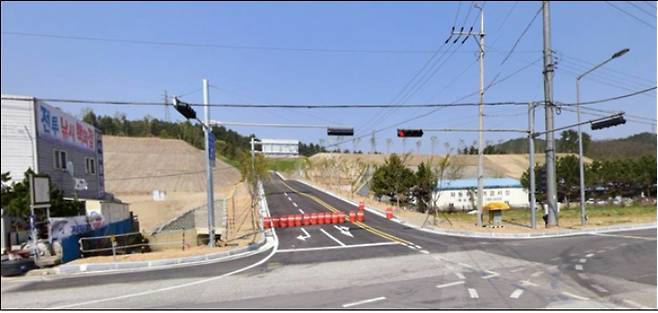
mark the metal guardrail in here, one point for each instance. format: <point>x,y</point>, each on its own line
<point>114,246</point>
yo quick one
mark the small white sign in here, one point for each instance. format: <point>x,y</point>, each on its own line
<point>80,184</point>
<point>40,190</point>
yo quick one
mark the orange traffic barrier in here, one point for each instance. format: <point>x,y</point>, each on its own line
<point>334,218</point>
<point>314,218</point>
<point>341,217</point>
<point>360,216</point>
<point>389,213</point>
<point>320,218</point>
<point>352,217</point>
<point>298,220</point>
<point>283,222</point>
<point>361,206</point>
<point>266,223</point>
<point>275,222</point>
<point>327,218</point>
<point>307,219</point>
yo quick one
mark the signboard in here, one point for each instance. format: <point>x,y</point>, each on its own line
<point>40,189</point>
<point>99,166</point>
<point>63,227</point>
<point>80,184</point>
<point>211,148</point>
<point>54,124</point>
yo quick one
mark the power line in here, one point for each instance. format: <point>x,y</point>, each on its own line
<point>509,13</point>
<point>631,15</point>
<point>643,10</point>
<point>609,99</point>
<point>629,81</point>
<point>532,21</point>
<point>614,112</point>
<point>595,79</point>
<point>626,117</point>
<point>605,69</point>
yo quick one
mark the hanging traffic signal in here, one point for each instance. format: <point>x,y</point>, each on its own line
<point>340,131</point>
<point>410,133</point>
<point>184,108</point>
<point>614,121</point>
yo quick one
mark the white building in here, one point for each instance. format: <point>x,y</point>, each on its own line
<point>280,148</point>
<point>461,194</point>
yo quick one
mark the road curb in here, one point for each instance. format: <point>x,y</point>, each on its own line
<point>457,233</point>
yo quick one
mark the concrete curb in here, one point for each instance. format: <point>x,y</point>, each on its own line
<point>457,233</point>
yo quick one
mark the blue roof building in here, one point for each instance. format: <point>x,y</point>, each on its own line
<point>468,183</point>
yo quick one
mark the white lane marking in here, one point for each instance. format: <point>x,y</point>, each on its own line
<point>305,236</point>
<point>517,270</point>
<point>579,267</point>
<point>516,294</point>
<point>289,199</point>
<point>285,193</point>
<point>424,252</point>
<point>528,283</point>
<point>388,243</point>
<point>347,305</point>
<point>454,283</point>
<point>573,254</point>
<point>635,304</point>
<point>535,274</point>
<point>411,247</point>
<point>600,251</point>
<point>599,288</point>
<point>625,236</point>
<point>202,281</point>
<point>473,293</point>
<point>582,260</point>
<point>583,276</point>
<point>568,294</point>
<point>332,237</point>
<point>460,275</point>
<point>591,254</point>
<point>417,246</point>
<point>344,230</point>
<point>301,211</point>
<point>492,274</point>
<point>466,265</point>
<point>294,204</point>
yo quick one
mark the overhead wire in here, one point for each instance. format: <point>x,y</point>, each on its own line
<point>631,15</point>
<point>532,21</point>
<point>641,9</point>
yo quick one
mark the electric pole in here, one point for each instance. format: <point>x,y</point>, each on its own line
<point>373,143</point>
<point>166,107</point>
<point>211,189</point>
<point>480,170</point>
<point>551,194</point>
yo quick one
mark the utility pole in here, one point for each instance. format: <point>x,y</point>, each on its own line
<point>210,189</point>
<point>373,143</point>
<point>551,192</point>
<point>531,162</point>
<point>166,107</point>
<point>480,172</point>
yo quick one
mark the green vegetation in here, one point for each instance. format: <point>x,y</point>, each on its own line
<point>286,165</point>
<point>633,147</point>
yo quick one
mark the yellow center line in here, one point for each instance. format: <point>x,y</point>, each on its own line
<point>362,225</point>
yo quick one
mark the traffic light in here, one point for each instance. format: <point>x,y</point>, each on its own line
<point>340,131</point>
<point>184,108</point>
<point>410,133</point>
<point>614,121</point>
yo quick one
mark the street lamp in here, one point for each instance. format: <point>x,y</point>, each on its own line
<point>583,215</point>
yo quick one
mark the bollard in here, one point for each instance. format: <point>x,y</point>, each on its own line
<point>352,217</point>
<point>360,216</point>
<point>389,213</point>
<point>327,218</point>
<point>298,220</point>
<point>361,206</point>
<point>275,222</point>
<point>307,219</point>
<point>341,217</point>
<point>334,218</point>
<point>283,222</point>
<point>314,218</point>
<point>291,220</point>
<point>266,223</point>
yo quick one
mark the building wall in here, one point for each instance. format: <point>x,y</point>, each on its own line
<point>465,199</point>
<point>18,133</point>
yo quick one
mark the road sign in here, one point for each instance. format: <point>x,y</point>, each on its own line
<point>211,148</point>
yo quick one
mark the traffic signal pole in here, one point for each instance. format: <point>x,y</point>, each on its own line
<point>531,163</point>
<point>481,122</point>
<point>210,189</point>
<point>551,188</point>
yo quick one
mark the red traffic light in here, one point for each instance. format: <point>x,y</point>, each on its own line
<point>410,133</point>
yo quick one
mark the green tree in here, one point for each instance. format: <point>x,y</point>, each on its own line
<point>393,179</point>
<point>568,141</point>
<point>424,186</point>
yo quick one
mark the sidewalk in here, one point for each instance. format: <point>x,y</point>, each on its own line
<point>469,229</point>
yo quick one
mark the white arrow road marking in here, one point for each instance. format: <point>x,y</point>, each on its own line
<point>364,302</point>
<point>568,294</point>
<point>516,294</point>
<point>303,238</point>
<point>473,293</point>
<point>454,283</point>
<point>492,274</point>
<point>344,230</point>
<point>332,237</point>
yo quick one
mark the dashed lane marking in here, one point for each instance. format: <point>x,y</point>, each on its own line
<point>294,204</point>
<point>460,275</point>
<point>332,237</point>
<point>454,283</point>
<point>424,252</point>
<point>635,304</point>
<point>285,193</point>
<point>517,270</point>
<point>473,293</point>
<point>625,236</point>
<point>571,295</point>
<point>516,294</point>
<point>388,243</point>
<point>592,254</point>
<point>600,251</point>
<point>578,267</point>
<point>347,305</point>
<point>599,288</point>
<point>535,274</point>
<point>301,211</point>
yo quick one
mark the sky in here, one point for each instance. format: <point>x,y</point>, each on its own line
<point>334,53</point>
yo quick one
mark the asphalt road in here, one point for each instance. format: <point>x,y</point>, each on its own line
<point>376,264</point>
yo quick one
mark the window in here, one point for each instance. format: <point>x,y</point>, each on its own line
<point>90,166</point>
<point>492,193</point>
<point>59,159</point>
<point>500,192</point>
<point>452,194</point>
<point>460,194</point>
<point>507,192</point>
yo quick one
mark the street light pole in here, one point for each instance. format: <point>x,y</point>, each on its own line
<point>583,210</point>
<point>210,187</point>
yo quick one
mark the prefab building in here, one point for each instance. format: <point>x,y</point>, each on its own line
<point>280,148</point>
<point>42,137</point>
<point>461,194</point>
